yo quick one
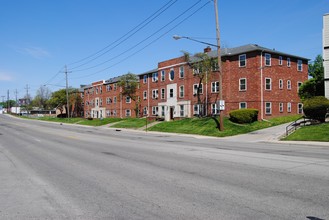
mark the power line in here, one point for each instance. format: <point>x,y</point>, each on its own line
<point>122,39</point>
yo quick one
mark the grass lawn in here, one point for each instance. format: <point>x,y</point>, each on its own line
<point>131,123</point>
<point>318,132</point>
<point>207,126</point>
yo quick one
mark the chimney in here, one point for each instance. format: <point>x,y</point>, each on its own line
<point>207,49</point>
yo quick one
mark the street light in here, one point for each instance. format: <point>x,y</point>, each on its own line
<point>221,101</point>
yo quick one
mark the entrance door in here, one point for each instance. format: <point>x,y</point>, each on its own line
<point>172,108</point>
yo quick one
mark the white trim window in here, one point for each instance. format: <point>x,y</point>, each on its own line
<point>163,75</point>
<point>115,86</point>
<point>267,59</point>
<point>300,108</point>
<point>289,107</point>
<point>171,75</point>
<point>242,60</point>
<point>108,88</point>
<point>281,107</point>
<point>214,109</point>
<point>108,113</point>
<point>299,84</point>
<point>145,110</point>
<point>288,62</point>
<point>280,84</point>
<point>268,84</point>
<point>163,111</point>
<point>280,60</point>
<point>288,84</point>
<point>181,92</point>
<point>108,100</point>
<point>145,94</point>
<point>114,99</point>
<point>155,93</point>
<point>243,84</point>
<point>155,77</point>
<point>128,99</point>
<point>215,87</point>
<point>299,65</point>
<point>163,93</point>
<point>181,72</point>
<point>114,112</point>
<point>145,79</point>
<point>171,93</point>
<point>268,108</point>
<point>100,102</point>
<point>155,110</point>
<point>181,110</point>
<point>128,112</point>
<point>242,105</point>
<point>196,87</point>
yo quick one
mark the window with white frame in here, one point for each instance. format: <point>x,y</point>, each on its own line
<point>144,94</point>
<point>97,102</point>
<point>145,79</point>
<point>299,65</point>
<point>288,62</point>
<point>281,107</point>
<point>145,110</point>
<point>155,77</point>
<point>128,112</point>
<point>299,84</point>
<point>96,90</point>
<point>288,84</point>
<point>114,112</point>
<point>171,93</point>
<point>155,110</point>
<point>196,109</point>
<point>128,99</point>
<point>163,111</point>
<point>155,93</point>
<point>242,60</point>
<point>114,99</point>
<point>242,105</point>
<point>214,109</point>
<point>300,108</point>
<point>163,93</point>
<point>289,107</point>
<point>163,75</point>
<point>108,88</point>
<point>243,84</point>
<point>214,87</point>
<point>268,83</point>
<point>100,89</point>
<point>115,86</point>
<point>108,113</point>
<point>181,111</point>
<point>280,84</point>
<point>181,72</point>
<point>181,92</point>
<point>100,102</point>
<point>280,60</point>
<point>268,108</point>
<point>267,59</point>
<point>171,75</point>
<point>196,87</point>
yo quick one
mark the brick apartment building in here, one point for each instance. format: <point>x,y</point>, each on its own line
<point>253,77</point>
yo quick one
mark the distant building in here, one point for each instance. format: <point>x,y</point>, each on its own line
<point>326,53</point>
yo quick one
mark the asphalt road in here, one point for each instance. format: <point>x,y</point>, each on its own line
<point>54,171</point>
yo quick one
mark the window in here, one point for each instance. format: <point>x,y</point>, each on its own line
<point>155,110</point>
<point>181,72</point>
<point>242,60</point>
<point>300,108</point>
<point>114,99</point>
<point>97,102</point>
<point>145,110</point>
<point>181,91</point>
<point>155,93</point>
<point>115,86</point>
<point>288,62</point>
<point>128,113</point>
<point>162,111</point>
<point>155,77</point>
<point>172,75</point>
<point>163,75</point>
<point>197,109</point>
<point>288,84</point>
<point>108,88</point>
<point>243,84</point>
<point>299,65</point>
<point>114,112</point>
<point>242,105</point>
<point>163,92</point>
<point>108,113</point>
<point>196,87</point>
<point>100,102</point>
<point>267,59</point>
<point>299,84</point>
<point>108,100</point>
<point>145,79</point>
<point>280,84</point>
<point>101,89</point>
<point>96,90</point>
<point>171,93</point>
<point>214,87</point>
<point>289,107</point>
<point>181,111</point>
<point>268,84</point>
<point>280,107</point>
<point>268,108</point>
<point>214,109</point>
<point>280,60</point>
<point>128,99</point>
<point>144,94</point>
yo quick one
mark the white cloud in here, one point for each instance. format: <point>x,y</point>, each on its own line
<point>36,52</point>
<point>5,76</point>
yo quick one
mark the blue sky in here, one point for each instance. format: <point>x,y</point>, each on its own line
<point>39,37</point>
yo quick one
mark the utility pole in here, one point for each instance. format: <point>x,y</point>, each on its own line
<point>27,98</point>
<point>8,103</point>
<point>16,100</point>
<point>67,94</point>
<point>221,101</point>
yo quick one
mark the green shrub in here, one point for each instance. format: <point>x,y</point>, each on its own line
<point>243,116</point>
<point>316,108</point>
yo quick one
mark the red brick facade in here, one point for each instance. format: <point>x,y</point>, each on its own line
<point>253,77</point>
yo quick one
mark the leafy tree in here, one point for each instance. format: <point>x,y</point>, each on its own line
<point>129,84</point>
<point>43,94</point>
<point>315,85</point>
<point>202,65</point>
<point>58,100</point>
